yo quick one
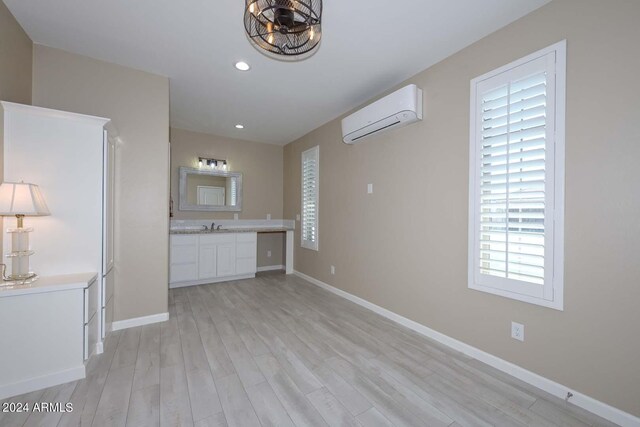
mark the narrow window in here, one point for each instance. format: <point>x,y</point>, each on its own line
<point>516,179</point>
<point>310,181</point>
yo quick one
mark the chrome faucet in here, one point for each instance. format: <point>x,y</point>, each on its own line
<point>213,225</point>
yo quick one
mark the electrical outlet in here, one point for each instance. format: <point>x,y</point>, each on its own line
<point>333,269</point>
<point>268,217</point>
<point>268,254</point>
<point>298,217</point>
<point>235,216</point>
<point>369,188</point>
<point>517,331</point>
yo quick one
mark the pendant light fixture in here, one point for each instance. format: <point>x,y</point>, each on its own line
<point>284,29</point>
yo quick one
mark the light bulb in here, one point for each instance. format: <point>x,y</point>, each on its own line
<point>252,7</point>
<point>311,34</point>
<point>270,39</point>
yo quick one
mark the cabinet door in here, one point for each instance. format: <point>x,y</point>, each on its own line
<point>226,259</point>
<point>207,261</point>
<point>183,258</point>
<point>108,202</point>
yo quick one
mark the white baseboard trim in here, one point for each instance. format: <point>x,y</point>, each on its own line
<point>38,383</point>
<point>210,281</point>
<point>139,321</point>
<point>581,400</point>
<point>271,268</point>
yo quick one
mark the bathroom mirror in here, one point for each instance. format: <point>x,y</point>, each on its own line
<point>210,190</point>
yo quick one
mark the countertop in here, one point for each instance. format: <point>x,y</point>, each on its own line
<point>50,284</point>
<point>230,230</point>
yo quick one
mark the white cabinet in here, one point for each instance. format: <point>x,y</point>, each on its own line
<point>108,227</point>
<point>47,330</point>
<point>246,253</point>
<point>208,258</point>
<point>72,158</point>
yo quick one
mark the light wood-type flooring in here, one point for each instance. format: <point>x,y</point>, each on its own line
<point>278,351</point>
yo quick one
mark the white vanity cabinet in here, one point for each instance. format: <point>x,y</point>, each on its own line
<point>215,257</point>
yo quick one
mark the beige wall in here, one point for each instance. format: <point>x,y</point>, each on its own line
<point>405,246</point>
<point>15,59</point>
<point>138,104</point>
<point>16,53</point>
<point>261,166</point>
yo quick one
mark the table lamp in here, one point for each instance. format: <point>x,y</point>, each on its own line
<point>21,199</point>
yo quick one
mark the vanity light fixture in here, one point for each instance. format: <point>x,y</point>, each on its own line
<point>242,66</point>
<point>215,164</point>
<point>239,126</point>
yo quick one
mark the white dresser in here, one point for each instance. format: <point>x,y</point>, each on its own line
<point>72,158</point>
<point>46,331</point>
<point>212,257</point>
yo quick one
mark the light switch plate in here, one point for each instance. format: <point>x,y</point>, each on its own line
<point>268,217</point>
<point>298,217</point>
<point>333,269</point>
<point>369,188</point>
<point>268,254</point>
<point>235,216</point>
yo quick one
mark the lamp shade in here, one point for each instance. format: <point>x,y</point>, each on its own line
<point>19,198</point>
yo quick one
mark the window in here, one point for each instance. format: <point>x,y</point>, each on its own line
<point>234,191</point>
<point>310,183</point>
<point>516,179</point>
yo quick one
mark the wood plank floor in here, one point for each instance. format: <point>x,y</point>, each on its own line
<point>278,351</point>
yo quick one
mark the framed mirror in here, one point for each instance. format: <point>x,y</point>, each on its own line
<point>210,190</point>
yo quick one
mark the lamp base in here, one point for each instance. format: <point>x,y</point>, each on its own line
<point>13,281</point>
<point>22,277</point>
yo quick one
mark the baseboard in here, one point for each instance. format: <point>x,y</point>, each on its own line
<point>210,281</point>
<point>38,383</point>
<point>139,321</point>
<point>271,268</point>
<point>581,400</point>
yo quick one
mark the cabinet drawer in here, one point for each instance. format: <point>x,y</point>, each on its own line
<point>217,238</point>
<point>183,254</point>
<point>91,300</point>
<point>183,272</point>
<point>247,237</point>
<point>181,239</point>
<point>246,266</point>
<point>246,250</point>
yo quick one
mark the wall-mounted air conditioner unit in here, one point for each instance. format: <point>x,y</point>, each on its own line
<point>398,109</point>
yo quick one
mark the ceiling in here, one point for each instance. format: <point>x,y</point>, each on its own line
<point>368,46</point>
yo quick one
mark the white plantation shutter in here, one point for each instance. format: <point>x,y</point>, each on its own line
<point>310,181</point>
<point>516,184</point>
<point>234,191</point>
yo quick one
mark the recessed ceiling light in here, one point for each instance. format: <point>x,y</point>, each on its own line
<point>239,126</point>
<point>243,66</point>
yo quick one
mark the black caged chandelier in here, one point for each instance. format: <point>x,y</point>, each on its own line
<point>284,29</point>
